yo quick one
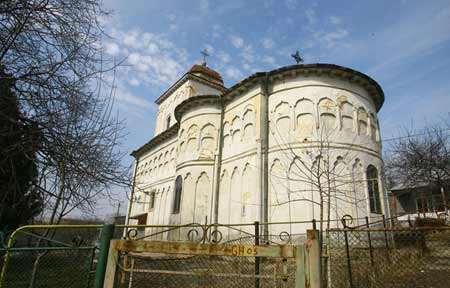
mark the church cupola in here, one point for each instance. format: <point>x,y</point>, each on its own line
<point>204,71</point>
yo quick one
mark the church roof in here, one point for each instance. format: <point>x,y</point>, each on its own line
<point>200,73</point>
<point>332,70</point>
<point>194,101</point>
<point>205,70</point>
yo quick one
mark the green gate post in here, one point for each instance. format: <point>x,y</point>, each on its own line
<point>105,239</point>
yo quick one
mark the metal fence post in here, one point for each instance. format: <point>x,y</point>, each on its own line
<point>386,238</point>
<point>370,241</point>
<point>105,239</point>
<point>349,264</point>
<point>257,259</point>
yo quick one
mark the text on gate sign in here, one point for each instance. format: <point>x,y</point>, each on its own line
<point>244,250</point>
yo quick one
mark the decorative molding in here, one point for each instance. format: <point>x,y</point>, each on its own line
<point>344,146</point>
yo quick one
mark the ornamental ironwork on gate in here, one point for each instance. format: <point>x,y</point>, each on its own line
<point>207,259</point>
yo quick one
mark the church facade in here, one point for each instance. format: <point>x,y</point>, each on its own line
<point>294,144</point>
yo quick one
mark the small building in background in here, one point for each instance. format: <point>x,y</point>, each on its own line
<point>426,201</point>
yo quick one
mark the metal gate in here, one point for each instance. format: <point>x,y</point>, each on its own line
<point>49,256</point>
<point>137,263</point>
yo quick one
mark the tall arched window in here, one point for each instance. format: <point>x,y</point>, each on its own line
<point>152,199</point>
<point>374,193</point>
<point>177,198</point>
<point>168,122</point>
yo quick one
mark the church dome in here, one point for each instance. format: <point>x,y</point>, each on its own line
<point>206,72</point>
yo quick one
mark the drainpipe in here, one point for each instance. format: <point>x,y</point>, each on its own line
<point>264,135</point>
<point>130,203</point>
<point>218,167</point>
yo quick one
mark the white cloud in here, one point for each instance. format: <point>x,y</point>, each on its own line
<point>209,48</point>
<point>112,49</point>
<point>154,59</point>
<point>233,73</point>
<point>152,62</point>
<point>134,58</point>
<point>267,43</point>
<point>269,60</point>
<point>291,4</point>
<point>335,20</point>
<point>224,57</point>
<point>237,41</point>
<point>131,39</point>
<point>172,17</point>
<point>248,54</point>
<point>134,82</point>
<point>172,21</point>
<point>126,97</point>
<point>311,16</point>
<point>332,38</point>
<point>217,31</point>
<point>204,6</point>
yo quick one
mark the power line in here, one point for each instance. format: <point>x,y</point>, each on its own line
<point>415,135</point>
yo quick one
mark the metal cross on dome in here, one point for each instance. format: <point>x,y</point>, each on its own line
<point>205,54</point>
<point>297,57</point>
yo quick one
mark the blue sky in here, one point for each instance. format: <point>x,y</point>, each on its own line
<point>403,45</point>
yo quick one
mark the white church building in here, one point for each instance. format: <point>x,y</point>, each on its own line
<point>297,143</point>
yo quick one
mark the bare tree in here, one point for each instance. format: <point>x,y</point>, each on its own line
<point>422,157</point>
<point>51,50</point>
<point>316,176</point>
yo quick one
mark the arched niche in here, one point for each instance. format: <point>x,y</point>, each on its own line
<point>327,115</point>
<point>304,113</point>
<point>362,121</point>
<point>282,117</point>
<point>192,136</point>
<point>236,130</point>
<point>249,126</point>
<point>202,191</point>
<point>207,141</point>
<point>247,190</point>
<point>224,198</point>
<point>235,191</point>
<point>347,116</point>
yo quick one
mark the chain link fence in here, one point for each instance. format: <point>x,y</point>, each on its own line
<point>43,267</point>
<point>388,257</point>
<point>49,257</point>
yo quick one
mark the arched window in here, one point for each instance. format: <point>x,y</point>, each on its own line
<point>374,193</point>
<point>168,122</point>
<point>177,198</point>
<point>152,199</point>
